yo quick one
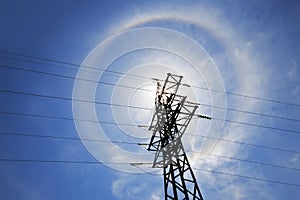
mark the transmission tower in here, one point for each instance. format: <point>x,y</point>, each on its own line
<point>171,117</point>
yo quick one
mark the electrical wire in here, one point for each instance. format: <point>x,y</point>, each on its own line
<point>250,112</point>
<point>137,165</point>
<point>71,77</point>
<point>104,103</point>
<point>124,163</point>
<point>121,73</point>
<point>247,96</point>
<point>73,64</point>
<point>245,160</point>
<point>149,78</point>
<point>196,135</point>
<point>136,88</point>
<point>248,177</point>
<point>69,118</point>
<point>62,161</point>
<point>71,99</point>
<point>257,125</point>
<point>62,66</point>
<point>245,143</point>
<point>137,143</point>
<point>66,138</point>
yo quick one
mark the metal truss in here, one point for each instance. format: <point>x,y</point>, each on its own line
<point>170,120</point>
<point>179,179</point>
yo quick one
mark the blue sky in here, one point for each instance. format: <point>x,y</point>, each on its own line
<point>249,48</point>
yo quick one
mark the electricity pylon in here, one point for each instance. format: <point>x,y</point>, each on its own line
<point>170,120</point>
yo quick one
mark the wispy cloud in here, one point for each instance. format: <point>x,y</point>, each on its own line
<point>243,69</point>
<point>247,79</point>
<point>135,187</point>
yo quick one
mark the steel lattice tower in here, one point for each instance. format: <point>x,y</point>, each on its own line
<point>170,120</point>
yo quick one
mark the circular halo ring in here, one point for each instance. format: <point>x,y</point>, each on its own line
<point>102,56</point>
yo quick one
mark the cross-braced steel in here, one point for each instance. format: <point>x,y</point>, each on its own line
<point>170,120</point>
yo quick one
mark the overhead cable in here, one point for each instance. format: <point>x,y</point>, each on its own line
<point>149,78</point>
<point>137,143</point>
<point>143,89</point>
<point>144,108</point>
<point>124,163</point>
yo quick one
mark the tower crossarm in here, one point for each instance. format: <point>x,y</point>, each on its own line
<point>167,130</point>
<point>167,108</point>
<point>164,124</point>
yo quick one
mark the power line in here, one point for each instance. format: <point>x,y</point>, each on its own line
<point>231,121</point>
<point>249,177</point>
<point>132,164</point>
<point>66,138</point>
<point>61,161</point>
<point>144,108</point>
<point>73,64</point>
<point>61,66</point>
<point>71,77</point>
<point>249,124</point>
<point>71,99</point>
<point>137,165</point>
<point>67,118</point>
<point>144,77</point>
<point>258,125</point>
<point>251,112</point>
<point>245,143</point>
<point>196,135</point>
<point>136,143</point>
<point>245,160</point>
<point>247,96</point>
<point>130,87</point>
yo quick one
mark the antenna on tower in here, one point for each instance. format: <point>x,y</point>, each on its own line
<point>170,120</point>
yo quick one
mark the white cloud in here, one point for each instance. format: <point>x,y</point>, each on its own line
<point>156,195</point>
<point>292,72</point>
<point>135,187</point>
<point>295,159</point>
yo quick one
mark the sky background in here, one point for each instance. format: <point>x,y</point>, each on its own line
<point>253,45</point>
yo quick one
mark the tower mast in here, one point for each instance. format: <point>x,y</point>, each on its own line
<point>170,120</point>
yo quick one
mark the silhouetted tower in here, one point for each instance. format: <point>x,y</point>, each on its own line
<point>170,120</point>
